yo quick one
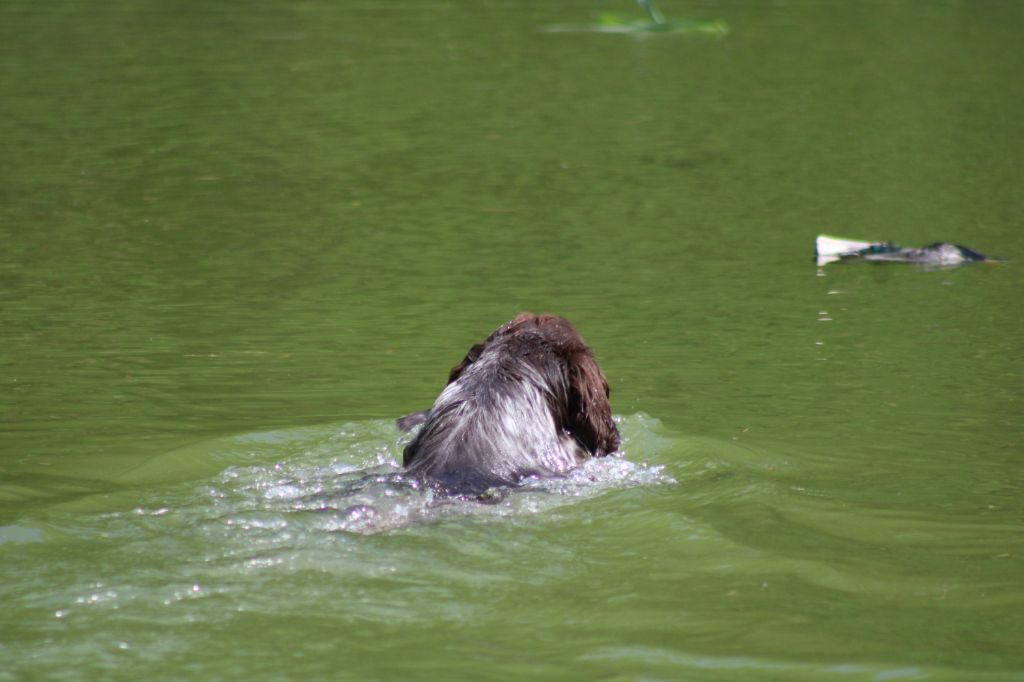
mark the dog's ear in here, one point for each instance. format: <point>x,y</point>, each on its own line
<point>474,353</point>
<point>471,357</point>
<point>411,421</point>
<point>590,414</point>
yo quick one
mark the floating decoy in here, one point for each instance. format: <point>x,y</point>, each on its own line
<point>830,249</point>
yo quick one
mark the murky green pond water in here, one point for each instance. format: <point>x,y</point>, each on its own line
<point>237,241</point>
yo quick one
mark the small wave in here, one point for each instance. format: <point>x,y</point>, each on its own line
<point>347,479</point>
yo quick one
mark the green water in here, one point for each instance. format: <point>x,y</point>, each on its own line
<point>236,241</point>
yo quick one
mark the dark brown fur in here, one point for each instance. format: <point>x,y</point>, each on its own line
<point>530,400</point>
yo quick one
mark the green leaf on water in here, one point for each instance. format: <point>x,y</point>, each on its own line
<point>617,23</point>
<point>656,23</point>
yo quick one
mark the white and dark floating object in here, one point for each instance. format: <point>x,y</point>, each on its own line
<point>940,254</point>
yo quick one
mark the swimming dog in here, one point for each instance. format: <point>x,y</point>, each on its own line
<point>528,401</point>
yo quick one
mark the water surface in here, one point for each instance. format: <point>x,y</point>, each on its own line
<point>237,244</point>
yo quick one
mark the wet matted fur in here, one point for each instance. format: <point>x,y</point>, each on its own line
<point>530,400</point>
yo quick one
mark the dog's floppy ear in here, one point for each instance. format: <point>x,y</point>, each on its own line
<point>411,421</point>
<point>590,414</point>
<point>474,353</point>
<point>471,357</point>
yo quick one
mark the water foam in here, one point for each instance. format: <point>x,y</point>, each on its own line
<point>347,478</point>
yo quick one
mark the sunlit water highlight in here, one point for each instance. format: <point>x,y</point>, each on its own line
<point>317,525</point>
<point>347,478</point>
<point>285,502</point>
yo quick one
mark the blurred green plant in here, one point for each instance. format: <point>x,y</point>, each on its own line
<point>656,22</point>
<point>655,15</point>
